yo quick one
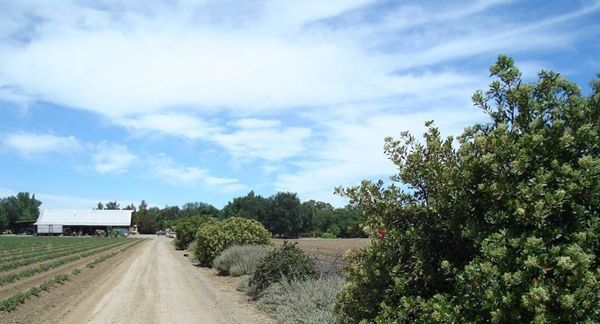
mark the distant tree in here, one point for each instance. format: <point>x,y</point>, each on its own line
<point>198,208</point>
<point>286,216</point>
<point>145,222</point>
<point>21,207</point>
<point>166,214</point>
<point>112,205</point>
<point>129,207</point>
<point>250,206</point>
<point>100,206</point>
<point>143,205</point>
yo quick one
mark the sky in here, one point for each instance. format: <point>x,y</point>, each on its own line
<point>183,101</point>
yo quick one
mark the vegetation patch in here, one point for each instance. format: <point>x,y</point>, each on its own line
<point>501,227</point>
<point>240,259</point>
<point>14,301</point>
<point>302,301</point>
<point>214,237</point>
<point>285,264</point>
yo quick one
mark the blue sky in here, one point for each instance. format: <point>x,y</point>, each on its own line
<point>178,101</point>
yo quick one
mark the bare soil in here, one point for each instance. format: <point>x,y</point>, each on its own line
<point>148,283</point>
<point>327,253</point>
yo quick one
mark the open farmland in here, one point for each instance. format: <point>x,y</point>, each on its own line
<point>32,266</point>
<point>327,252</point>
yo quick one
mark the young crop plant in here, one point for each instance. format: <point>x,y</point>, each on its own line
<point>11,303</point>
<point>502,226</point>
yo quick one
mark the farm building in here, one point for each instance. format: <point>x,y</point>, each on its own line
<point>67,221</point>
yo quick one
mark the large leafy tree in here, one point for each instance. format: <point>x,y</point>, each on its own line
<point>250,206</point>
<point>22,207</point>
<point>286,215</point>
<point>500,227</point>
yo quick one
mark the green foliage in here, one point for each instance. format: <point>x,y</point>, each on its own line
<point>213,237</point>
<point>287,217</point>
<point>502,227</point>
<point>186,230</point>
<point>287,264</point>
<point>21,207</point>
<point>302,302</point>
<point>145,221</point>
<point>250,206</point>
<point>240,260</point>
<point>11,303</point>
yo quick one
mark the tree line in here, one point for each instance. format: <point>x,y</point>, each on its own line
<point>283,214</point>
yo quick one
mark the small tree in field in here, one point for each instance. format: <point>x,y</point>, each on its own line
<point>502,227</point>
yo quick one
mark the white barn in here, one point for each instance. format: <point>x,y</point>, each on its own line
<point>87,221</point>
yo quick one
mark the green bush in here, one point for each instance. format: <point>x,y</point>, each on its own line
<point>287,263</point>
<point>240,259</point>
<point>186,230</point>
<point>502,227</point>
<point>214,237</point>
<point>302,302</point>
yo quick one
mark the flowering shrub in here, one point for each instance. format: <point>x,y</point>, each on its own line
<point>501,227</point>
<point>214,237</point>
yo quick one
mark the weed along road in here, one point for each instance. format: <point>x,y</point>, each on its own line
<point>159,285</point>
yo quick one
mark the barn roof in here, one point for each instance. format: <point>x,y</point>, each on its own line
<point>84,217</point>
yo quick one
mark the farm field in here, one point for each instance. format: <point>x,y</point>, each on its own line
<point>327,252</point>
<point>32,267</point>
<point>333,247</point>
<point>145,283</point>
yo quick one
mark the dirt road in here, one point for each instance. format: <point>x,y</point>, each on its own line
<point>159,286</point>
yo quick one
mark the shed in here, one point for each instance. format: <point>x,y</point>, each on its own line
<point>85,221</point>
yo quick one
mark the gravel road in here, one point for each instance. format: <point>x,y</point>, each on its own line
<point>160,286</point>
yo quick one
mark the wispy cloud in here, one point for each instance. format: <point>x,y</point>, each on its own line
<point>32,143</point>
<point>112,158</point>
<point>167,170</point>
<point>301,92</point>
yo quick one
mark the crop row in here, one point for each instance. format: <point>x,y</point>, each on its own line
<point>12,302</point>
<point>18,245</point>
<point>110,255</point>
<point>38,252</point>
<point>10,278</point>
<point>50,256</point>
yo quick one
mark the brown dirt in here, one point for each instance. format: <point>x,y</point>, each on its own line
<point>149,283</point>
<point>327,246</point>
<point>327,253</point>
<point>50,307</point>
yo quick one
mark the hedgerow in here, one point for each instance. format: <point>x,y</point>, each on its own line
<point>501,227</point>
<point>187,229</point>
<point>213,237</point>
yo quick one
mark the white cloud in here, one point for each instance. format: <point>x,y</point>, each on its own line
<point>169,171</point>
<point>31,143</point>
<point>268,144</point>
<point>175,124</point>
<point>126,60</point>
<point>112,158</point>
<point>354,151</point>
<point>255,123</point>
